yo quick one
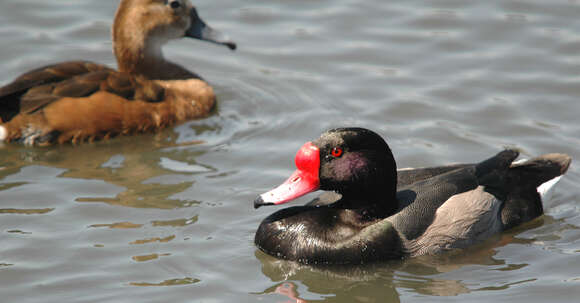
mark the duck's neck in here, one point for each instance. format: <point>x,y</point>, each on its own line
<point>379,202</point>
<point>372,199</point>
<point>139,51</point>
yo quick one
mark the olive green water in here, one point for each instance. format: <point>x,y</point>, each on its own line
<point>168,217</point>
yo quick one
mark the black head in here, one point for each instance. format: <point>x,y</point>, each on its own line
<point>355,162</point>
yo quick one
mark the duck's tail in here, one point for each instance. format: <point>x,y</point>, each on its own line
<point>545,170</point>
<point>528,183</point>
<point>522,185</point>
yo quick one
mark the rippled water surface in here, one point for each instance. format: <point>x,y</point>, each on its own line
<point>168,217</point>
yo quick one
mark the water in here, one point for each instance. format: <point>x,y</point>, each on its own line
<point>168,217</point>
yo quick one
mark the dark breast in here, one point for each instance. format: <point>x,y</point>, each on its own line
<point>324,236</point>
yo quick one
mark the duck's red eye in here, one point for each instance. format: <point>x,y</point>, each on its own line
<point>336,152</point>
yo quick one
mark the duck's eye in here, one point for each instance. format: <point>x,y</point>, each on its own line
<point>175,4</point>
<point>336,152</point>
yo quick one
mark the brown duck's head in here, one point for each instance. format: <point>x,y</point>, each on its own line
<point>142,27</point>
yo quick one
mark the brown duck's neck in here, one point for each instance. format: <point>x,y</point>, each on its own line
<point>148,60</point>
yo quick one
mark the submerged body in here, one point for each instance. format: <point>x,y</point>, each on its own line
<point>387,214</point>
<point>84,101</point>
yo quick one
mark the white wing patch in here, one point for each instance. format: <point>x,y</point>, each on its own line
<point>546,189</point>
<point>3,133</point>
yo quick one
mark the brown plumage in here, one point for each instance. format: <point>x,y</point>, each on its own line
<point>84,101</point>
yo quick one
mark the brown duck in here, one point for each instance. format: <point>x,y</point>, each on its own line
<point>84,101</point>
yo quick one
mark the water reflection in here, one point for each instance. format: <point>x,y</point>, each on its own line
<point>149,257</point>
<point>337,282</point>
<point>119,225</point>
<point>148,174</point>
<point>152,240</point>
<point>287,289</point>
<point>172,282</point>
<point>25,211</point>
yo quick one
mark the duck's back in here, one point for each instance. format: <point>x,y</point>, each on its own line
<point>419,201</point>
<point>468,205</point>
<point>83,101</point>
<point>34,89</point>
